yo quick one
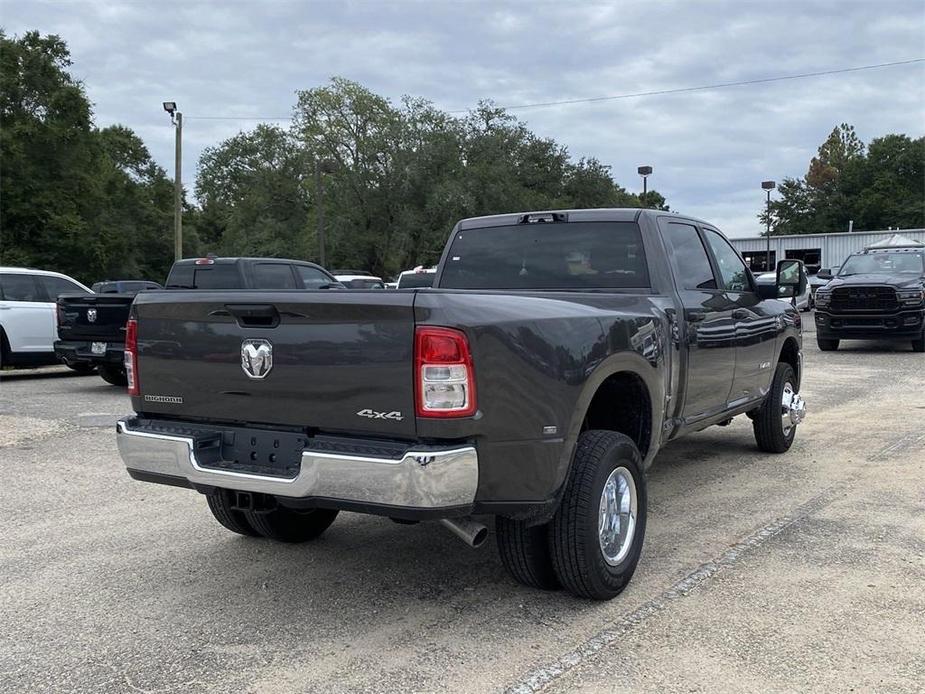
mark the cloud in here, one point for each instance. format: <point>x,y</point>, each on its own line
<point>710,149</point>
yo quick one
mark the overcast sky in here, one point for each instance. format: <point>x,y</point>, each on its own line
<point>710,149</point>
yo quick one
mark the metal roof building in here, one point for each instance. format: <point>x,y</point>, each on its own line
<point>816,250</point>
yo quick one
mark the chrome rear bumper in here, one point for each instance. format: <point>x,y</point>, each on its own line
<point>419,479</point>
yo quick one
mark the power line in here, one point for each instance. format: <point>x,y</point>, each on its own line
<point>632,95</point>
<point>719,85</point>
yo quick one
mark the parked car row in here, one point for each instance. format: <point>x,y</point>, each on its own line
<point>47,317</point>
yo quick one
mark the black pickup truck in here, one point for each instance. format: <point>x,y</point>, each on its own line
<point>535,382</point>
<point>878,294</point>
<point>91,327</point>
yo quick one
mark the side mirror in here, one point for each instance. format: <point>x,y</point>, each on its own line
<point>825,273</point>
<point>791,279</point>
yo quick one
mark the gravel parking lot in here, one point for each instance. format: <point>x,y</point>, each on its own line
<point>798,572</point>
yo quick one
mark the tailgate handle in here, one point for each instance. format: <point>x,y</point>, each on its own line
<point>254,315</point>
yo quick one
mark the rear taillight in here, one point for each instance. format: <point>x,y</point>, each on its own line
<point>131,356</point>
<point>444,378</point>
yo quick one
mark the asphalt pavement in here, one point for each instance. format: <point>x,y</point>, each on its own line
<point>798,572</point>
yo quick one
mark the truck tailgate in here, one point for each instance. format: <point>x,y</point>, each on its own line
<point>341,361</point>
<point>93,316</point>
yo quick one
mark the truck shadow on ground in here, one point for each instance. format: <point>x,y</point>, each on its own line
<point>40,374</point>
<point>368,570</point>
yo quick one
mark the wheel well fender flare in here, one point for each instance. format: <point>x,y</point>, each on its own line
<point>790,354</point>
<point>629,363</point>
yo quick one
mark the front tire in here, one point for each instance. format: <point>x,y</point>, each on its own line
<point>525,553</point>
<point>114,375</point>
<point>597,533</point>
<point>827,345</point>
<point>287,525</point>
<point>774,424</point>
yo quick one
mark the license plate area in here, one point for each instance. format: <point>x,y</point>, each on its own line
<point>252,451</point>
<point>98,348</point>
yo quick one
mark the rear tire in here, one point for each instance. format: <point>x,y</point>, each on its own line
<point>919,345</point>
<point>603,459</point>
<point>827,345</point>
<point>231,519</point>
<point>114,375</point>
<point>286,525</point>
<point>525,553</point>
<point>768,423</point>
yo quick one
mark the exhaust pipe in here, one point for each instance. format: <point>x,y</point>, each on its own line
<point>472,533</point>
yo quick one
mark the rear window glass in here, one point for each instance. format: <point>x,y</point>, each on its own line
<point>217,276</point>
<point>568,255</point>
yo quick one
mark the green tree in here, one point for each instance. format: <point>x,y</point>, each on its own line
<point>87,202</point>
<point>879,186</point>
<point>252,194</point>
<point>399,176</point>
<point>48,158</point>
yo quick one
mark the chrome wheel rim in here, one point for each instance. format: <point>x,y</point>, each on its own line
<point>792,408</point>
<point>616,518</point>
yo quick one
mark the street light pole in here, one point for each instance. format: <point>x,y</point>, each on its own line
<point>178,193</point>
<point>319,204</point>
<point>644,171</point>
<point>322,166</point>
<point>768,186</point>
<point>177,119</point>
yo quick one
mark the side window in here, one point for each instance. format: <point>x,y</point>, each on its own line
<point>18,287</point>
<point>59,285</point>
<point>311,278</point>
<point>689,258</point>
<point>732,271</point>
<point>273,276</point>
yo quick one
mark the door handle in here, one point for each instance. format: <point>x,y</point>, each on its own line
<point>696,316</point>
<point>254,315</point>
<point>741,314</point>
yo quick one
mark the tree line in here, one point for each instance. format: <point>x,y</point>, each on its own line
<point>873,186</point>
<point>394,178</point>
<point>91,201</point>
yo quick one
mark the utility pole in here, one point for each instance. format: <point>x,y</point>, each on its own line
<point>177,119</point>
<point>768,186</point>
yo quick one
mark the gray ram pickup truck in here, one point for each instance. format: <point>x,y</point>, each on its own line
<point>535,382</point>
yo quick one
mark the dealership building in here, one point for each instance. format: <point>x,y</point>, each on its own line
<point>815,250</point>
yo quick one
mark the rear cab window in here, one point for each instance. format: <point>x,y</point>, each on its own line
<point>560,255</point>
<point>214,276</point>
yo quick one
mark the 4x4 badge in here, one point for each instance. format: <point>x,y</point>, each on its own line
<point>372,414</point>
